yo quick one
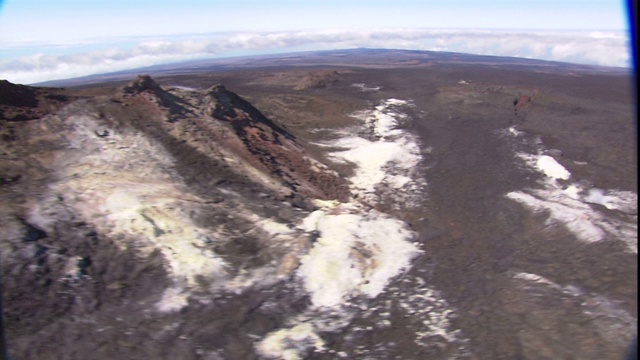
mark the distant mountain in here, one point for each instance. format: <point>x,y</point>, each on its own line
<point>361,57</point>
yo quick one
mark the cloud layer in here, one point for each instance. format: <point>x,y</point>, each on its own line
<point>60,61</point>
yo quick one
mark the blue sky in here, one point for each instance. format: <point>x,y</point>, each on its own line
<point>43,39</point>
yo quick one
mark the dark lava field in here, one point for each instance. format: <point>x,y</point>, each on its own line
<point>353,204</point>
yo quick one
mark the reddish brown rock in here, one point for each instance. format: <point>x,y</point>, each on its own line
<point>217,121</point>
<point>521,102</point>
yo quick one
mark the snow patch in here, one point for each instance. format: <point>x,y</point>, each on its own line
<point>173,299</point>
<point>377,162</point>
<point>513,131</point>
<point>186,88</point>
<point>387,162</point>
<point>571,206</point>
<point>570,212</point>
<point>365,88</point>
<point>356,253</point>
<point>573,191</point>
<point>273,227</point>
<point>603,311</point>
<point>550,167</point>
<point>288,343</point>
<point>624,201</point>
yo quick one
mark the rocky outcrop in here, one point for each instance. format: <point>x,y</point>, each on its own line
<point>21,102</point>
<point>144,87</point>
<point>141,84</point>
<point>273,146</point>
<point>521,103</point>
<point>214,125</point>
<point>17,95</point>
<point>217,120</point>
<point>318,79</point>
<point>228,106</point>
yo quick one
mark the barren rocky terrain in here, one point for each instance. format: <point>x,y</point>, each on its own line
<point>362,204</point>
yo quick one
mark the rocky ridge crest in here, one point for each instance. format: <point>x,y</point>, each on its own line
<point>148,193</point>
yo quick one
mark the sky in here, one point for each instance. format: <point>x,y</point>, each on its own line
<point>45,40</point>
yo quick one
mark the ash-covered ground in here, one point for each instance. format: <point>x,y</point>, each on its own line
<point>354,204</point>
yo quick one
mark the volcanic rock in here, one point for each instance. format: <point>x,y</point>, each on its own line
<point>144,87</point>
<point>17,95</point>
<point>521,102</point>
<point>318,79</point>
<point>273,146</point>
<point>21,102</point>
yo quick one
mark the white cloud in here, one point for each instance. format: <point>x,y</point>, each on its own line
<point>587,47</point>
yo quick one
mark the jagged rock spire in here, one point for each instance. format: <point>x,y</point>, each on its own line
<point>142,83</point>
